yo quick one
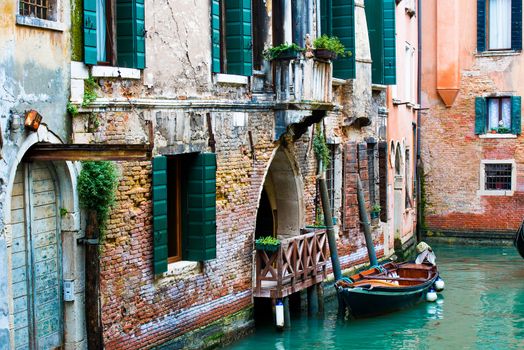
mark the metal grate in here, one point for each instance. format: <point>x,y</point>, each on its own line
<point>34,8</point>
<point>498,176</point>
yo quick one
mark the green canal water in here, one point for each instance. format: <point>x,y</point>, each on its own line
<point>482,307</point>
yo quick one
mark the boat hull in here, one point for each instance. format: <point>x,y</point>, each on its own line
<point>519,240</point>
<point>364,302</point>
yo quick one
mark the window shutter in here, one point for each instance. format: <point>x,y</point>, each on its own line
<point>481,25</point>
<point>325,17</point>
<point>374,18</point>
<point>343,27</point>
<point>383,179</point>
<point>516,25</point>
<point>159,214</point>
<point>215,37</point>
<point>90,32</point>
<point>390,52</point>
<point>515,115</point>
<point>239,53</point>
<point>200,209</point>
<point>130,33</point>
<point>480,115</point>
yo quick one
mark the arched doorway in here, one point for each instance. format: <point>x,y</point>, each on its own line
<point>398,197</point>
<point>281,206</point>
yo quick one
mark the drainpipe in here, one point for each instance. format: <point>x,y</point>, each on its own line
<point>328,222</point>
<point>418,167</point>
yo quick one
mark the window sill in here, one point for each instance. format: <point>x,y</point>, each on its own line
<point>379,87</point>
<point>498,136</point>
<point>231,79</point>
<point>115,72</point>
<point>495,193</point>
<point>338,81</point>
<point>39,23</point>
<point>182,268</point>
<point>497,53</point>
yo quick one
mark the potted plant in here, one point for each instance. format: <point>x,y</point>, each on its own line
<point>503,130</point>
<point>493,131</point>
<point>329,48</point>
<point>375,211</point>
<point>268,243</point>
<point>283,52</point>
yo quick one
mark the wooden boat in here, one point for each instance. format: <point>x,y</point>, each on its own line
<point>387,288</point>
<point>518,241</point>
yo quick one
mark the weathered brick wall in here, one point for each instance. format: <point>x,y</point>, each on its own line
<point>452,155</point>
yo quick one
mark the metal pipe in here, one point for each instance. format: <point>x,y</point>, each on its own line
<point>364,218</point>
<point>418,164</point>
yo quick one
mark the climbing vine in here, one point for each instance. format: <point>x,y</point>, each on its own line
<point>89,91</point>
<point>320,147</point>
<point>97,184</point>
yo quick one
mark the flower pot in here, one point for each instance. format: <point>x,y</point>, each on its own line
<point>289,54</point>
<point>325,54</point>
<point>267,247</point>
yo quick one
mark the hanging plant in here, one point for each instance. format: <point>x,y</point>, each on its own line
<point>97,184</point>
<point>320,147</point>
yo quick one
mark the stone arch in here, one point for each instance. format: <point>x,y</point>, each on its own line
<point>284,189</point>
<point>69,224</point>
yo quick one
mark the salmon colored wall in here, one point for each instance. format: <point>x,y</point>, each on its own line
<point>451,151</point>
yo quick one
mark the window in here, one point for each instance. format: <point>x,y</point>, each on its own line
<point>380,16</point>
<point>114,33</point>
<point>407,179</point>
<point>499,115</point>
<point>409,73</point>
<point>184,209</point>
<point>499,25</point>
<point>371,173</point>
<point>43,9</point>
<point>497,177</point>
<point>338,19</point>
<point>231,37</point>
<point>383,179</point>
<point>330,178</point>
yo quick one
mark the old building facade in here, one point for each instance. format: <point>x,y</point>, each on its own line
<point>471,130</point>
<point>232,138</point>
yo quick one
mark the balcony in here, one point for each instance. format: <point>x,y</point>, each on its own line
<point>303,81</point>
<point>299,263</point>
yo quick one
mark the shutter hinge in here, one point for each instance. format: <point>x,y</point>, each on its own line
<point>88,241</point>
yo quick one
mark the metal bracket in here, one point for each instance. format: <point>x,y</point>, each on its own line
<point>88,241</point>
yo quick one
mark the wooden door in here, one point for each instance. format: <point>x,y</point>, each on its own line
<point>36,259</point>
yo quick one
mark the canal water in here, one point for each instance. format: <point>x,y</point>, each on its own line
<point>482,307</point>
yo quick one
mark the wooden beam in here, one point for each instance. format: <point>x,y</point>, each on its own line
<point>78,152</point>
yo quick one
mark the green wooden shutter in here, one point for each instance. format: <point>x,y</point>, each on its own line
<point>215,37</point>
<point>130,33</point>
<point>325,17</point>
<point>481,25</point>
<point>390,50</point>
<point>239,53</point>
<point>90,56</point>
<point>159,214</point>
<point>515,115</point>
<point>343,27</point>
<point>200,209</point>
<point>516,25</point>
<point>375,21</point>
<point>480,115</point>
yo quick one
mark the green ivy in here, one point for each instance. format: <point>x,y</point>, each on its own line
<point>90,94</point>
<point>97,185</point>
<point>268,240</point>
<point>72,109</point>
<point>320,148</point>
<point>272,53</point>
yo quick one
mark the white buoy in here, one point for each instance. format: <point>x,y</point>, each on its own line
<point>279,310</point>
<point>439,285</point>
<point>431,296</point>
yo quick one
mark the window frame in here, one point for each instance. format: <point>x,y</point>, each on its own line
<point>51,24</point>
<point>485,192</point>
<point>500,111</point>
<point>174,203</point>
<point>110,31</point>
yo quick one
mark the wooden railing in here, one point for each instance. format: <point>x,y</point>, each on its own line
<point>302,80</point>
<point>300,262</point>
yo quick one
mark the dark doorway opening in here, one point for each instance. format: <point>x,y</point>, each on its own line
<point>264,226</point>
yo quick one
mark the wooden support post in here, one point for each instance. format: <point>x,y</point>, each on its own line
<point>320,298</point>
<point>92,287</point>
<point>287,313</point>
<point>312,301</point>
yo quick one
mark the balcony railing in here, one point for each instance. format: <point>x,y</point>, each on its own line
<point>302,80</point>
<point>300,262</point>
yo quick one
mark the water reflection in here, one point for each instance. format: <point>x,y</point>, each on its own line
<point>481,308</point>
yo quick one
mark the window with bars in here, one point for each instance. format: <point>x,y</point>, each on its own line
<point>43,9</point>
<point>371,173</point>
<point>498,177</point>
